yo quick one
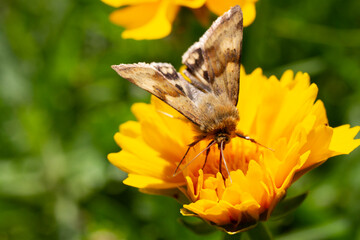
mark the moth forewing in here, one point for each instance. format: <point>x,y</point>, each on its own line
<point>176,91</point>
<point>215,59</point>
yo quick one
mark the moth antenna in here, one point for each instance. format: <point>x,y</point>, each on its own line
<point>177,167</point>
<point>182,169</point>
<point>253,141</point>
<point>222,159</point>
<point>190,146</point>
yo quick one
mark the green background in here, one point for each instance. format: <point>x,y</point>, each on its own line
<point>61,104</point>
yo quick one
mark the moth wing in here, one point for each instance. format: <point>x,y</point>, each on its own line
<point>162,80</point>
<point>214,61</point>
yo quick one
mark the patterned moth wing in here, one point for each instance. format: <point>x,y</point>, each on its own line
<point>213,63</point>
<point>162,80</point>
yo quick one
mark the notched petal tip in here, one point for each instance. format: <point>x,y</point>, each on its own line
<point>343,140</point>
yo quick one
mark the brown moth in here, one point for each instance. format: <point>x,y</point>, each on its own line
<point>209,100</point>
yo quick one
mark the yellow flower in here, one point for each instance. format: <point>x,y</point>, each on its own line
<point>247,6</point>
<point>281,114</point>
<point>152,19</point>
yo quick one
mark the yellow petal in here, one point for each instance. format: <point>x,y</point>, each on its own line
<point>134,16</point>
<point>249,12</point>
<point>287,78</point>
<point>249,103</point>
<point>209,210</point>
<point>120,3</point>
<point>146,21</point>
<point>130,129</point>
<point>209,194</point>
<point>318,141</point>
<point>219,7</point>
<point>141,181</point>
<point>343,141</point>
<point>158,127</point>
<point>247,6</point>
<point>190,3</point>
<point>126,162</point>
<point>158,27</point>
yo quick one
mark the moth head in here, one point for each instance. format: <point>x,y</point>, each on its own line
<point>222,138</point>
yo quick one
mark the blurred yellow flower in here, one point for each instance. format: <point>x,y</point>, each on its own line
<point>152,19</point>
<point>281,114</point>
<point>247,7</point>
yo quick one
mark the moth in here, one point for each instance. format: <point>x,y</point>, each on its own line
<point>209,99</point>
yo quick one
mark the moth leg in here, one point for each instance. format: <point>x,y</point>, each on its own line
<point>207,153</point>
<point>222,159</point>
<point>220,163</point>
<point>252,140</point>
<point>177,167</point>
<point>190,146</point>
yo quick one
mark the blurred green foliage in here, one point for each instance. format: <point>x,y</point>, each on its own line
<point>61,104</point>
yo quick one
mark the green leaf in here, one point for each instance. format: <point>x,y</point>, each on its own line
<point>198,227</point>
<point>261,231</point>
<point>288,205</point>
<point>332,229</point>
